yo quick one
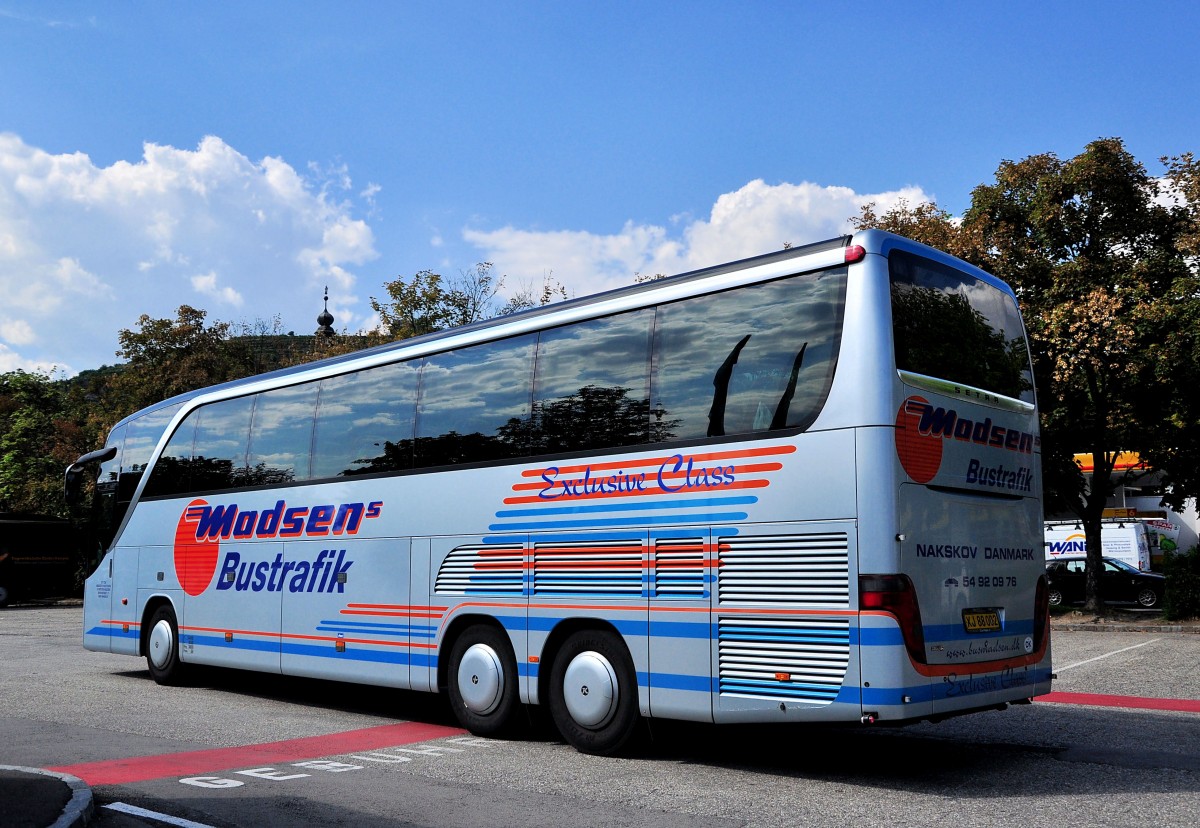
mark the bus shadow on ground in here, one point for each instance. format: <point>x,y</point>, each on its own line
<point>950,763</point>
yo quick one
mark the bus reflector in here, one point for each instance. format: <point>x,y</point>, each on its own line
<point>855,253</point>
<point>894,595</point>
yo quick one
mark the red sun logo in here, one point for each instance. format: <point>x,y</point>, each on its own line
<point>195,560</point>
<point>920,455</point>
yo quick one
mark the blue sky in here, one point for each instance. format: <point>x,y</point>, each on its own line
<point>239,157</point>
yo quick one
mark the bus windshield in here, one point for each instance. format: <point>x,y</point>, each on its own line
<point>952,326</point>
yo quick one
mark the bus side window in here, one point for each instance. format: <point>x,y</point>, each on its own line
<point>281,435</point>
<point>365,422</point>
<point>756,359</point>
<point>219,458</point>
<point>591,389</point>
<point>207,452</point>
<point>474,403</point>
<point>170,474</point>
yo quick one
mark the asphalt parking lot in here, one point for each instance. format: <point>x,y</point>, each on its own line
<point>1117,744</point>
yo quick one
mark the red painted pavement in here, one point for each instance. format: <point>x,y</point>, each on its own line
<point>1134,702</point>
<point>192,763</point>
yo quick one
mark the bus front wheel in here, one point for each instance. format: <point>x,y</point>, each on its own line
<point>162,647</point>
<point>483,681</point>
<point>593,692</point>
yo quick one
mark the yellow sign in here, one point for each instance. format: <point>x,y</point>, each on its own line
<point>1126,460</point>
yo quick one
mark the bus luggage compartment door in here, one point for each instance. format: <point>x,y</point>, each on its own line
<point>783,622</point>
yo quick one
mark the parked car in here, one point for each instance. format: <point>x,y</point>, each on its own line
<point>1120,583</point>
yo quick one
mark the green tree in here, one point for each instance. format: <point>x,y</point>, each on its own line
<point>427,302</point>
<point>1098,256</point>
<point>39,437</point>
<point>166,357</point>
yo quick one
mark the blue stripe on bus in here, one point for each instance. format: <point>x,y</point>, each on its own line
<point>680,629</point>
<point>940,690</point>
<point>942,633</point>
<point>113,632</point>
<point>579,524</point>
<point>641,506</point>
<point>675,681</point>
<point>254,644</point>
<point>955,632</point>
<point>349,654</point>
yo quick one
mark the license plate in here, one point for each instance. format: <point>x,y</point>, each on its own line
<point>981,620</point>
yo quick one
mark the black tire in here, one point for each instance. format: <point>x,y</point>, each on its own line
<point>5,595</point>
<point>1147,597</point>
<point>482,681</point>
<point>1054,597</point>
<point>162,648</point>
<point>594,674</point>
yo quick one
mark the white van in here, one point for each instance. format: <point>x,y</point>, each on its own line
<point>1124,540</point>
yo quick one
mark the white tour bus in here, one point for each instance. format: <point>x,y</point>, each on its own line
<point>800,487</point>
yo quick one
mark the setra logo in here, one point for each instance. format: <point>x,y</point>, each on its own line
<point>201,529</point>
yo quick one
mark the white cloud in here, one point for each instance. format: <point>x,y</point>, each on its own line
<point>758,218</point>
<point>10,360</point>
<point>85,249</point>
<point>17,331</point>
<point>207,285</point>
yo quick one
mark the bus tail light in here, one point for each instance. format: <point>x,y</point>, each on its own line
<point>855,253</point>
<point>1041,613</point>
<point>895,595</point>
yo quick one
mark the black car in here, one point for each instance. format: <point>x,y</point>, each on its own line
<point>1120,583</point>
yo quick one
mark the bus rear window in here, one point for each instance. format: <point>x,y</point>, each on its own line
<point>949,325</point>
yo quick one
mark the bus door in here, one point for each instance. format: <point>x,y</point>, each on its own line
<point>122,620</point>
<point>782,621</point>
<point>346,610</point>
<point>97,606</point>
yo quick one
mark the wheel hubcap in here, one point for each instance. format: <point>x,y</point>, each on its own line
<point>161,643</point>
<point>591,690</point>
<point>481,679</point>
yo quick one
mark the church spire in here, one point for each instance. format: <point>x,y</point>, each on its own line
<point>325,320</point>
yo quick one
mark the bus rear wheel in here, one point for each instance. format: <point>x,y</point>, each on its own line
<point>593,692</point>
<point>483,681</point>
<point>162,647</point>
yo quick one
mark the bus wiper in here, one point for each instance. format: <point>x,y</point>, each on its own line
<point>716,414</point>
<point>785,402</point>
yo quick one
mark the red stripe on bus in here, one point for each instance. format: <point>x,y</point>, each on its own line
<point>648,462</point>
<point>1133,702</point>
<point>738,471</point>
<point>654,492</point>
<point>196,762</point>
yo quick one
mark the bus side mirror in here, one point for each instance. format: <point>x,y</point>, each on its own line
<point>73,479</point>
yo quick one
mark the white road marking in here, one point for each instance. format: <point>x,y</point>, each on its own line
<point>1106,655</point>
<point>134,810</point>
